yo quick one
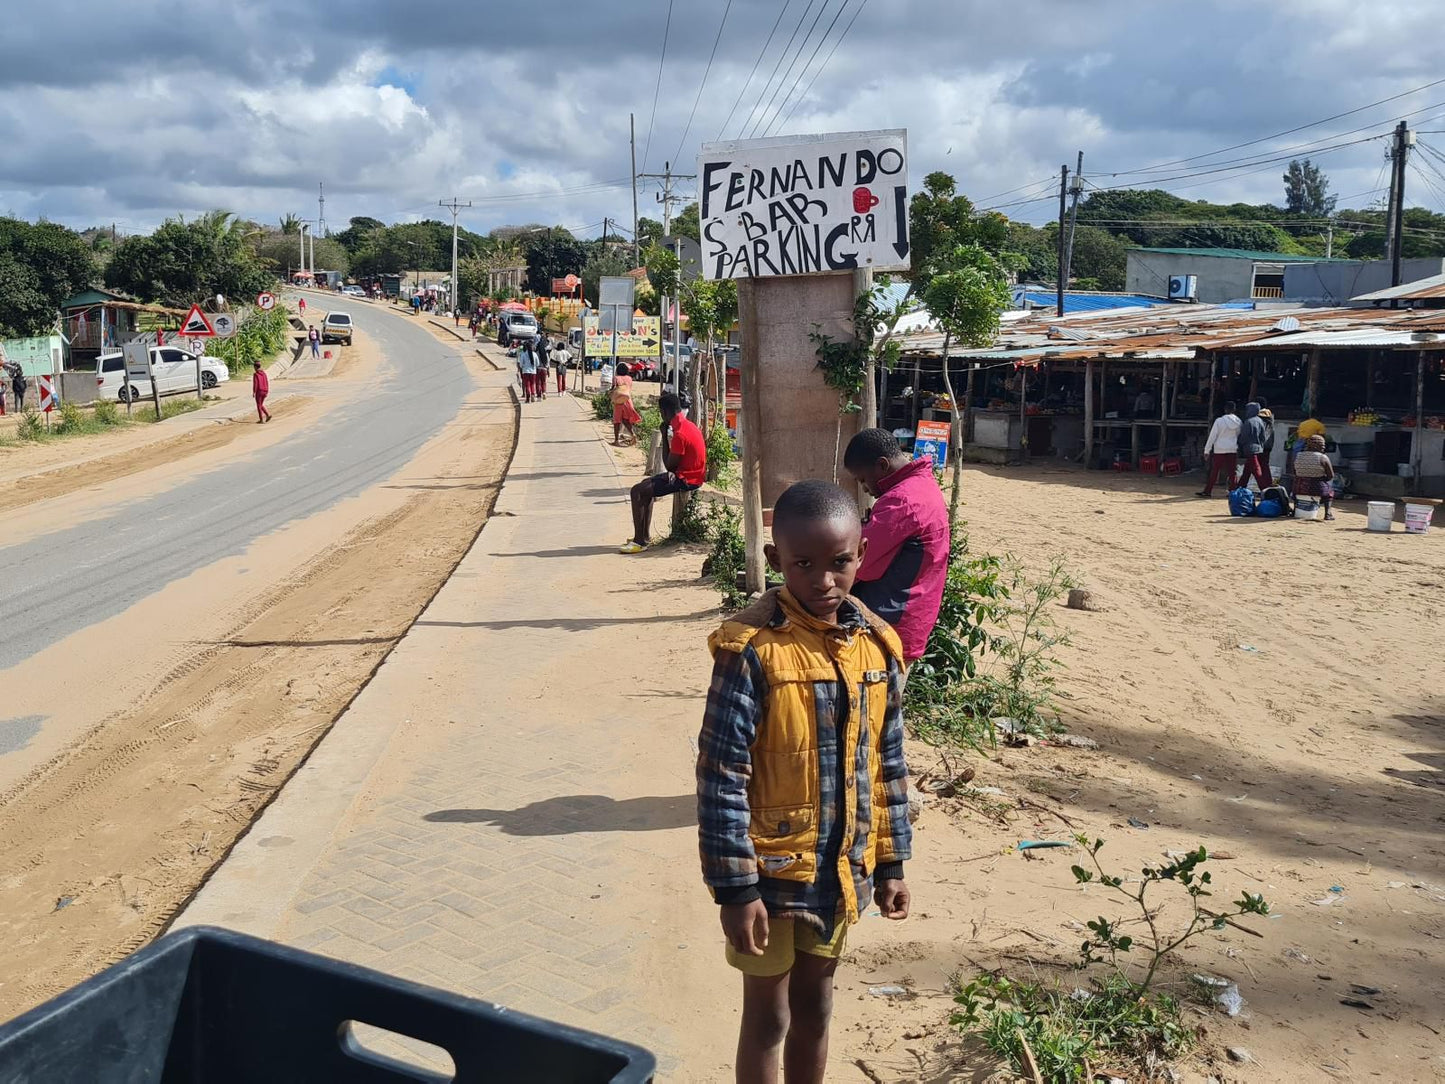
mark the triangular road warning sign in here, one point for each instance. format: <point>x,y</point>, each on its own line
<point>196,324</point>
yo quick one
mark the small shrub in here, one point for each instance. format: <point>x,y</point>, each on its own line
<point>693,526</point>
<point>1118,1018</point>
<point>651,422</point>
<point>727,553</point>
<point>602,406</point>
<point>72,419</point>
<point>720,457</point>
<point>106,413</point>
<point>31,426</point>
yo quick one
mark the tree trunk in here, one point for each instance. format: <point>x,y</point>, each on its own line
<point>955,440</point>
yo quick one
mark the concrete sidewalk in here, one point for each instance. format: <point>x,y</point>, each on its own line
<point>507,809</point>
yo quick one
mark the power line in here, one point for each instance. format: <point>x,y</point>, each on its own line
<point>842,7</point>
<point>657,90</point>
<point>743,131</point>
<point>808,89</point>
<point>759,128</point>
<point>761,53</point>
<point>701,86</point>
<point>1237,168</point>
<point>1287,131</point>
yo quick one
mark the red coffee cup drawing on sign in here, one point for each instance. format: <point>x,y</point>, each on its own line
<point>864,201</point>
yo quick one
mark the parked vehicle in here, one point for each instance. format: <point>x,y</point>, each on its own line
<point>574,347</point>
<point>667,362</point>
<point>513,325</point>
<point>174,370</point>
<point>353,291</point>
<point>336,328</point>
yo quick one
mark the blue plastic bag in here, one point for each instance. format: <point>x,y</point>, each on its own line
<point>1241,502</point>
<point>1269,509</point>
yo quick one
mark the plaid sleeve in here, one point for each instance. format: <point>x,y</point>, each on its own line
<point>724,768</point>
<point>895,834</point>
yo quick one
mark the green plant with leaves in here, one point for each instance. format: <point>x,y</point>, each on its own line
<point>650,424</point>
<point>31,425</point>
<point>721,457</point>
<point>1063,1032</point>
<point>602,406</point>
<point>727,552</point>
<point>1106,944</point>
<point>107,414</point>
<point>693,526</point>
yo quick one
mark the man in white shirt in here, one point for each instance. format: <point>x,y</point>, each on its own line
<point>1221,450</point>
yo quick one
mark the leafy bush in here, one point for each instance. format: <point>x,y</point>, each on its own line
<point>602,406</point>
<point>106,413</point>
<point>693,526</point>
<point>257,338</point>
<point>727,553</point>
<point>1058,1032</point>
<point>651,422</point>
<point>72,419</point>
<point>720,456</point>
<point>31,425</point>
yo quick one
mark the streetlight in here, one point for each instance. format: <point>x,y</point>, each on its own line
<point>416,269</point>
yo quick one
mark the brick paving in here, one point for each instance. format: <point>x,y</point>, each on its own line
<point>506,810</point>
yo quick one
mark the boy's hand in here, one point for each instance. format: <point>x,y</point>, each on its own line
<point>746,926</point>
<point>892,898</point>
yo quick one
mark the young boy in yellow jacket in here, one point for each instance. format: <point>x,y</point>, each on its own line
<point>802,786</point>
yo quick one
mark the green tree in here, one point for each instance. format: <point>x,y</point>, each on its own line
<point>278,252</point>
<point>649,233</point>
<point>1101,257</point>
<point>604,261</point>
<point>941,220</point>
<point>186,262</point>
<point>552,254</point>
<point>686,223</point>
<point>1306,190</point>
<point>41,264</point>
<point>966,294</point>
<point>291,224</point>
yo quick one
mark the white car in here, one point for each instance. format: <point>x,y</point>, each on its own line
<point>174,369</point>
<point>353,291</point>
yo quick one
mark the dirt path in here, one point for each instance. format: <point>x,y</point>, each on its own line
<point>103,841</point>
<point>1268,689</point>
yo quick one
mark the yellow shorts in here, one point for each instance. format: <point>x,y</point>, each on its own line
<point>786,938</point>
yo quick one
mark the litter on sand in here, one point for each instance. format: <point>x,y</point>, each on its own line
<point>1042,844</point>
<point>1135,822</point>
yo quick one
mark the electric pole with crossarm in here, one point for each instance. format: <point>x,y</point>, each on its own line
<point>454,205</point>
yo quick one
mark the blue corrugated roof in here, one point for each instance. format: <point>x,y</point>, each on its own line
<point>1092,302</point>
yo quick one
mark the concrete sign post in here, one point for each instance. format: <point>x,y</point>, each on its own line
<point>799,221</point>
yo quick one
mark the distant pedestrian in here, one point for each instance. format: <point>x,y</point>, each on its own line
<point>1221,450</point>
<point>539,352</point>
<point>624,414</point>
<point>18,384</point>
<point>314,337</point>
<point>1314,474</point>
<point>527,366</point>
<point>1267,417</point>
<point>1251,449</point>
<point>260,388</point>
<point>559,364</point>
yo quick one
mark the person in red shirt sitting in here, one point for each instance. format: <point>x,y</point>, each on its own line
<point>686,462</point>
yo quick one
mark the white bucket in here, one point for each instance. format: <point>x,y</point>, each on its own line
<point>1306,508</point>
<point>1381,515</point>
<point>1417,517</point>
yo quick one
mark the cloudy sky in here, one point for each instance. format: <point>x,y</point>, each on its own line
<point>117,112</point>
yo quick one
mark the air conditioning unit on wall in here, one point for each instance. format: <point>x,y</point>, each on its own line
<point>1183,287</point>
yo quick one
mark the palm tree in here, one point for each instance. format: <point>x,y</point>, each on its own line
<point>290,224</point>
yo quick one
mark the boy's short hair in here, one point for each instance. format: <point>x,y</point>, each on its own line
<point>869,446</point>
<point>669,404</point>
<point>622,369</point>
<point>810,501</point>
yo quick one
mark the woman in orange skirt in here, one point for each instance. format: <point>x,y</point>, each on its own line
<point>624,414</point>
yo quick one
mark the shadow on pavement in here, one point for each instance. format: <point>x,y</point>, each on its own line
<point>574,813</point>
<point>571,624</point>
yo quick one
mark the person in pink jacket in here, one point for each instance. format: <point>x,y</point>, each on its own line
<point>903,572</point>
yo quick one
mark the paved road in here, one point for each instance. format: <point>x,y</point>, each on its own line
<point>60,583</point>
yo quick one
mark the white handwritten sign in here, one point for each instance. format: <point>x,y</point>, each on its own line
<point>802,205</point>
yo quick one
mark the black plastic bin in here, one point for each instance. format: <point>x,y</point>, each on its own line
<point>214,1007</point>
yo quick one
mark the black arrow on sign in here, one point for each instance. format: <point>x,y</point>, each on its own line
<point>649,342</point>
<point>900,208</point>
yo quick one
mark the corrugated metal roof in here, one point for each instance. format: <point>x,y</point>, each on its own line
<point>1242,254</point>
<point>1355,337</point>
<point>1419,290</point>
<point>1076,302</point>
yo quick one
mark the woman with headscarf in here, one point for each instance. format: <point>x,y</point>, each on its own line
<point>1314,474</point>
<point>1310,427</point>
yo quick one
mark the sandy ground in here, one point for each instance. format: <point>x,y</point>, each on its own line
<point>1269,689</point>
<point>112,829</point>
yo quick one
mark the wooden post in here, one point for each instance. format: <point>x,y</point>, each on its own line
<point>1369,381</point>
<point>1254,365</point>
<point>1314,382</point>
<point>751,418</point>
<point>1163,413</point>
<point>868,401</point>
<point>1088,413</point>
<point>1023,412</point>
<point>1417,449</point>
<point>1211,390</point>
<point>967,434</point>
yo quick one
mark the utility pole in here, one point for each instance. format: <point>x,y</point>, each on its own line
<point>636,244</point>
<point>454,205</point>
<point>1063,208</point>
<point>1077,188</point>
<point>321,207</point>
<point>1330,239</point>
<point>302,235</point>
<point>665,197</point>
<point>1399,152</point>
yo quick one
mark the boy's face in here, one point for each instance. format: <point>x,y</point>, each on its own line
<point>870,474</point>
<point>819,561</point>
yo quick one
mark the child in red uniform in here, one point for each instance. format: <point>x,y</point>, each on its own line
<point>260,388</point>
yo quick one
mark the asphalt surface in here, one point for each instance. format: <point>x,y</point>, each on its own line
<point>59,583</point>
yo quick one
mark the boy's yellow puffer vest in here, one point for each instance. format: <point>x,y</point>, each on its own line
<point>784,795</point>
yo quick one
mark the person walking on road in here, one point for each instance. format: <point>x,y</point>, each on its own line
<point>539,352</point>
<point>901,576</point>
<point>314,337</point>
<point>527,366</point>
<point>802,784</point>
<point>1251,449</point>
<point>559,364</point>
<point>1266,417</point>
<point>1221,450</point>
<point>18,385</point>
<point>685,470</point>
<point>260,388</point>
